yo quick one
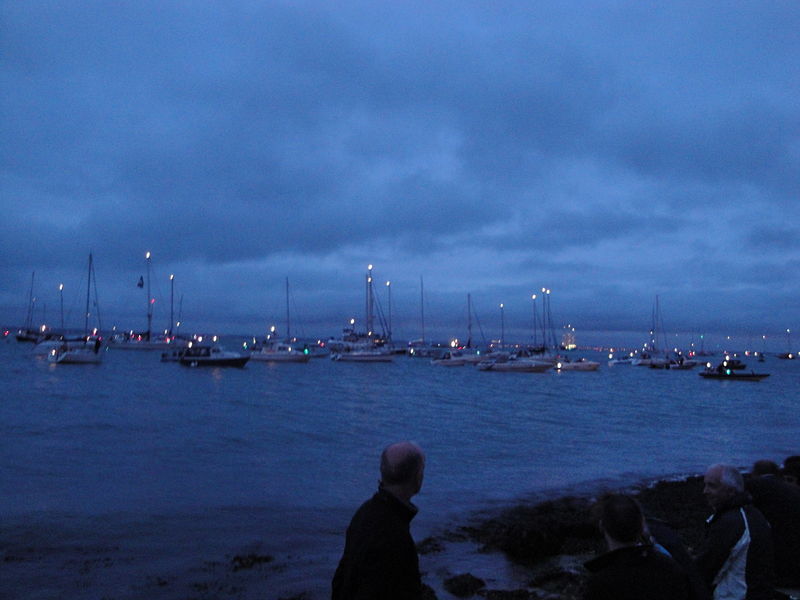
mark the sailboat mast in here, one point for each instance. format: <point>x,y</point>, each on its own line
<point>29,315</point>
<point>171,303</point>
<point>288,322</point>
<point>369,301</point>
<point>469,320</point>
<point>180,312</point>
<point>422,305</point>
<point>149,303</point>
<point>88,294</point>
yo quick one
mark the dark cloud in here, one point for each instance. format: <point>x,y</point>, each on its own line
<point>611,151</point>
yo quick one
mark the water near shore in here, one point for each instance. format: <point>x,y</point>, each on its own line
<point>142,479</point>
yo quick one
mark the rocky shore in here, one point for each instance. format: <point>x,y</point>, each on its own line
<point>548,542</point>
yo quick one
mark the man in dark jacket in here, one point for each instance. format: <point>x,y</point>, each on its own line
<point>779,502</point>
<point>632,569</point>
<point>736,557</point>
<point>380,559</point>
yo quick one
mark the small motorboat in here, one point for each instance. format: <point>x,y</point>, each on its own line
<point>204,355</point>
<point>280,352</point>
<point>450,359</point>
<point>724,371</point>
<point>367,355</point>
<point>580,364</point>
<point>621,360</point>
<point>515,365</point>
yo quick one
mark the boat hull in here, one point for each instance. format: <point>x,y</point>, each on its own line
<point>200,361</point>
<point>578,366</point>
<point>294,357</point>
<point>78,356</point>
<point>734,376</point>
<point>361,357</point>
<point>515,366</point>
<point>448,362</point>
<point>146,345</point>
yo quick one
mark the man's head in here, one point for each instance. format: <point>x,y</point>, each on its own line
<point>791,469</point>
<point>722,482</point>
<point>765,467</point>
<point>621,520</point>
<point>402,469</point>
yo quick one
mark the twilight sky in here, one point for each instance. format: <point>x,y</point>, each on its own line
<point>610,151</point>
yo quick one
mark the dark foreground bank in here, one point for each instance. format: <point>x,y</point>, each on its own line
<point>532,551</point>
<point>548,542</point>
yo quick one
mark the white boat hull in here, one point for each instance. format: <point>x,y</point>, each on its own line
<point>134,345</point>
<point>362,357</point>
<point>586,365</point>
<point>293,357</point>
<point>46,347</point>
<point>448,362</point>
<point>75,356</point>
<point>515,366</point>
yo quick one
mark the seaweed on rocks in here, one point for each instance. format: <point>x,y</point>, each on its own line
<point>551,540</point>
<point>530,534</point>
<point>680,504</point>
<point>464,585</point>
<point>248,561</point>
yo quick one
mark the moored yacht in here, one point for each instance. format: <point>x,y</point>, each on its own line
<point>89,349</point>
<point>280,352</point>
<point>208,355</point>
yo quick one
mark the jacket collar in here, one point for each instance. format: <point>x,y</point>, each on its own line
<point>625,554</point>
<point>407,510</point>
<point>732,503</point>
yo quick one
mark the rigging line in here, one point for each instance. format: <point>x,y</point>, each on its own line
<point>96,299</point>
<point>480,327</point>
<point>381,318</point>
<point>295,321</point>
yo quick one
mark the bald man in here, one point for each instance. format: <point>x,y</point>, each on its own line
<point>380,559</point>
<point>736,557</point>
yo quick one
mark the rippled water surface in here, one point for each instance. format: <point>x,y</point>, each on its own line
<point>142,479</point>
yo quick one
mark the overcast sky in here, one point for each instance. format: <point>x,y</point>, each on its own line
<point>610,151</point>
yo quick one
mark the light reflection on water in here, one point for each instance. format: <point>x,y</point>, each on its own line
<point>179,467</point>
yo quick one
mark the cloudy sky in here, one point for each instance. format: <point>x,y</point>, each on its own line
<point>610,151</point>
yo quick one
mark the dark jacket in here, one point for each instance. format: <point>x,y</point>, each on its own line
<point>636,573</point>
<point>665,536</point>
<point>380,560</point>
<point>736,557</point>
<point>779,502</point>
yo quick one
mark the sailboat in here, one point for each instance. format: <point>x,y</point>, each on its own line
<point>366,346</point>
<point>89,349</point>
<point>788,355</point>
<point>274,350</point>
<point>145,340</point>
<point>651,355</point>
<point>28,333</point>
<point>471,354</point>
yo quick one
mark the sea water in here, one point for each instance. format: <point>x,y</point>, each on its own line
<point>141,479</point>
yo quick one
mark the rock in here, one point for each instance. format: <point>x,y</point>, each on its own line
<point>558,581</point>
<point>681,505</point>
<point>430,545</point>
<point>464,585</point>
<point>508,595</point>
<point>428,593</point>
<point>529,534</point>
<point>248,561</point>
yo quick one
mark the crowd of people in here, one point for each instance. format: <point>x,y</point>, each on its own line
<point>751,550</point>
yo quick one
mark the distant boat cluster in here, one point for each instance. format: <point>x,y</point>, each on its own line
<point>366,346</point>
